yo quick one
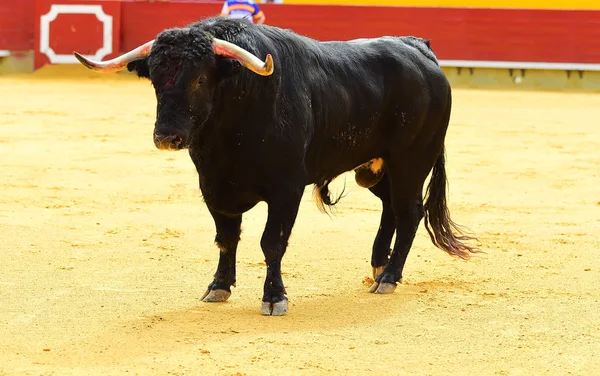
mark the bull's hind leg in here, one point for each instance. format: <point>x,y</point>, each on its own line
<point>228,236</point>
<point>282,213</point>
<point>387,227</point>
<point>406,177</point>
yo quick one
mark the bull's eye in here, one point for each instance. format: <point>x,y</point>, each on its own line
<point>197,85</point>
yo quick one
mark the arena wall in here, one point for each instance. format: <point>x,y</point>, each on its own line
<point>506,4</point>
<point>472,38</point>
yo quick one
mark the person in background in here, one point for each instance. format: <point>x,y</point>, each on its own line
<point>245,9</point>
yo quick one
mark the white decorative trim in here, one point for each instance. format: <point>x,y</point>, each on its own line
<point>4,53</point>
<point>519,65</point>
<point>55,10</point>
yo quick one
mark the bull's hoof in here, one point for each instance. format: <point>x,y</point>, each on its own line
<point>374,287</point>
<point>215,296</point>
<point>384,282</point>
<point>274,309</point>
<point>384,288</point>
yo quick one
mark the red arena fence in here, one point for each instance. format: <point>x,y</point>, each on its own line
<point>466,37</point>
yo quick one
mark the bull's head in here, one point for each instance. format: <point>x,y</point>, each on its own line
<point>184,66</point>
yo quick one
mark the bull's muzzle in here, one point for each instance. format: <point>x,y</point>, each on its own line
<point>168,141</point>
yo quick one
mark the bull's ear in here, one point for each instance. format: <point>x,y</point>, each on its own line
<point>140,66</point>
<point>228,67</point>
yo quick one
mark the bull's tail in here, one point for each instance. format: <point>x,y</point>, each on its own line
<point>323,196</point>
<point>444,233</point>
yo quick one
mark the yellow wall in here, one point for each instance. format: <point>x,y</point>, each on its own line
<point>531,4</point>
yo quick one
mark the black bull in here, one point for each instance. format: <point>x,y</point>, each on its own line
<point>315,110</point>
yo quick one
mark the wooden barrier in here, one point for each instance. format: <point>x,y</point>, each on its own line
<point>567,39</point>
<point>91,28</point>
<point>16,25</point>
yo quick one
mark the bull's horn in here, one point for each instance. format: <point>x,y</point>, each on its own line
<point>118,63</point>
<point>224,48</point>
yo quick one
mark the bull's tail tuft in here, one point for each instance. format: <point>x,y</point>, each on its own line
<point>323,197</point>
<point>444,233</point>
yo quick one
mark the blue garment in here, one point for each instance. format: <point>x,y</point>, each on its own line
<point>244,9</point>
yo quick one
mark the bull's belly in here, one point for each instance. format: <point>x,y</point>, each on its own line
<point>362,154</point>
<point>367,174</point>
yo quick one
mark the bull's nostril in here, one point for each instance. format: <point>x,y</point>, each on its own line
<point>168,141</point>
<point>177,142</point>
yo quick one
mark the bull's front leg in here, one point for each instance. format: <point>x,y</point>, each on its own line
<point>228,236</point>
<point>281,217</point>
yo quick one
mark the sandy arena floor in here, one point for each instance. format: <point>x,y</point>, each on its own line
<point>107,247</point>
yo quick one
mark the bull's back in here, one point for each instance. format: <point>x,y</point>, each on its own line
<point>367,96</point>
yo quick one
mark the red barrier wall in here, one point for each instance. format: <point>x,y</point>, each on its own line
<point>521,35</point>
<point>141,23</point>
<point>16,25</point>
<point>456,33</point>
<point>91,28</point>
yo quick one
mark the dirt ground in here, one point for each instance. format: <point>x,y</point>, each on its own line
<point>107,247</point>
